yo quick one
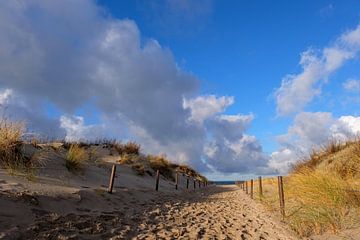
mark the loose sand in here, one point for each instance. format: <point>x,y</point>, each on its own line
<point>215,212</point>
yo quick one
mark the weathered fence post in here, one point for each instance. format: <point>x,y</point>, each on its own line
<point>176,180</point>
<point>112,177</point>
<point>187,183</point>
<point>260,188</point>
<point>252,188</point>
<point>281,196</point>
<point>246,187</point>
<point>157,180</point>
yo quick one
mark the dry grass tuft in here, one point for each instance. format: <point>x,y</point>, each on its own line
<point>75,158</point>
<point>10,144</point>
<point>139,169</point>
<point>162,164</point>
<point>127,148</point>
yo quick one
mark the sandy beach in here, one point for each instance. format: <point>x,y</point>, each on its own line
<point>214,212</point>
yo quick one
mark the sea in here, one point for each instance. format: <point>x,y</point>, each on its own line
<point>224,182</point>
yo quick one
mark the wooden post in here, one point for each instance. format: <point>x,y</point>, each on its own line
<point>194,183</point>
<point>246,187</point>
<point>187,183</point>
<point>176,180</point>
<point>281,196</point>
<point>252,188</point>
<point>260,188</point>
<point>199,184</point>
<point>112,177</point>
<point>157,180</point>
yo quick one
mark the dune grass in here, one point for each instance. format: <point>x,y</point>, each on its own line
<point>75,158</point>
<point>319,202</point>
<point>322,193</point>
<point>131,148</point>
<point>11,154</point>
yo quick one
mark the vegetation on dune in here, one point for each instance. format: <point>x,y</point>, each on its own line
<point>322,193</point>
<point>131,148</point>
<point>76,154</point>
<point>10,143</point>
<point>319,201</point>
<point>12,155</point>
<point>162,164</point>
<point>142,164</point>
<point>75,158</point>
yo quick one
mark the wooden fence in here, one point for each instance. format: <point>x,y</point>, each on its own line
<point>244,185</point>
<point>157,180</point>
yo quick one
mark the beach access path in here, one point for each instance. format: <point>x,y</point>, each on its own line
<point>213,212</point>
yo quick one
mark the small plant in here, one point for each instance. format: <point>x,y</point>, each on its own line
<point>75,158</point>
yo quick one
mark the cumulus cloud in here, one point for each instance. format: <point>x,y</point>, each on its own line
<point>68,53</point>
<point>71,53</point>
<point>310,131</point>
<point>229,149</point>
<point>77,130</point>
<point>352,85</point>
<point>203,107</point>
<point>296,91</point>
<point>31,111</point>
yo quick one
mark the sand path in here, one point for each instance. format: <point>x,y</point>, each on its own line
<point>222,212</point>
<point>215,212</point>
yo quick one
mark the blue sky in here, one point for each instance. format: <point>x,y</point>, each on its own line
<point>245,48</point>
<point>228,87</point>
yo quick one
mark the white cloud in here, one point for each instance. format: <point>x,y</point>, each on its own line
<point>203,107</point>
<point>76,129</point>
<point>229,149</point>
<point>311,130</point>
<point>5,95</point>
<point>352,85</point>
<point>282,160</point>
<point>296,91</point>
<point>134,84</point>
<point>346,127</point>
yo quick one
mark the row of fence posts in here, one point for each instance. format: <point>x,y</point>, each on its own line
<point>244,186</point>
<point>157,180</point>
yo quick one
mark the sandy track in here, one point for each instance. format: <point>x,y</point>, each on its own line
<point>211,213</point>
<point>215,213</point>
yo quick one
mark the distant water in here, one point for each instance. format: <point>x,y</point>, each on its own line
<point>224,182</point>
